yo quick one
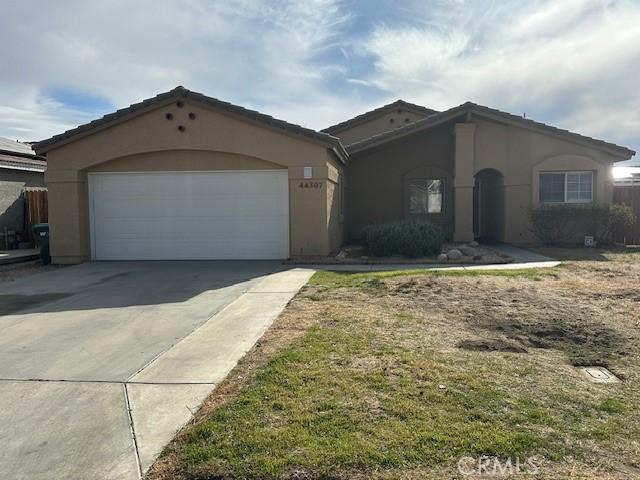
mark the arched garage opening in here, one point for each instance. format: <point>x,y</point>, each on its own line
<point>188,205</point>
<point>488,206</point>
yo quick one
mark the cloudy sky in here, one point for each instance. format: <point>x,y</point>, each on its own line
<point>571,63</point>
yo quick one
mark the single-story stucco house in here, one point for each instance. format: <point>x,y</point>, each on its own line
<point>186,176</point>
<point>20,167</point>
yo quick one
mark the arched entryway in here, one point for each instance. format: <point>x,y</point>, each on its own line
<point>488,206</point>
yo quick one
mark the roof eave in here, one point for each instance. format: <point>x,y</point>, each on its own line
<point>496,115</point>
<point>399,133</point>
<point>364,117</point>
<point>341,153</point>
<point>107,121</point>
<point>23,169</point>
<point>165,98</point>
<point>22,154</point>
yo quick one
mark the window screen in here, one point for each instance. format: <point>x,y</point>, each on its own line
<point>551,187</point>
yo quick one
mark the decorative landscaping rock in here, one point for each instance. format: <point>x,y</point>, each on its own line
<point>467,250</point>
<point>454,254</point>
<point>442,257</point>
<point>474,244</point>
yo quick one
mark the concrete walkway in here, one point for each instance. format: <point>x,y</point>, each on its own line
<point>521,259</point>
<point>101,364</point>
<point>520,255</point>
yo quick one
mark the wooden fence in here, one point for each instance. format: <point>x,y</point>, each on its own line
<point>629,195</point>
<point>36,208</point>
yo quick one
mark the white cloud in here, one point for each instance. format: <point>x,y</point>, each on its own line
<point>432,52</point>
<point>574,63</point>
<point>249,52</point>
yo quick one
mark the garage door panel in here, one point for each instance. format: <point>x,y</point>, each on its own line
<point>140,226</point>
<point>137,249</point>
<point>190,215</point>
<point>169,207</point>
<point>114,230</point>
<point>198,183</point>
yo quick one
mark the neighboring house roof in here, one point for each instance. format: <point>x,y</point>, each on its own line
<point>181,92</point>
<point>14,162</point>
<point>470,108</point>
<point>339,127</point>
<point>16,155</point>
<point>14,146</point>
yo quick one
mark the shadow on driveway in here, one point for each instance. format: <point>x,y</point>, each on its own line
<point>101,285</point>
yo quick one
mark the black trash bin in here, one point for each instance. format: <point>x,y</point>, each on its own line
<point>41,235</point>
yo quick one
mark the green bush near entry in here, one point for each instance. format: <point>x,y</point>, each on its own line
<point>568,224</point>
<point>410,238</point>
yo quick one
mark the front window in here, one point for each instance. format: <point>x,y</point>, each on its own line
<point>566,187</point>
<point>426,196</point>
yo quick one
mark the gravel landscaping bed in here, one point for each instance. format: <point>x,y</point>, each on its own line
<point>357,255</point>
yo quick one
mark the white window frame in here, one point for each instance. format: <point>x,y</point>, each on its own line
<point>566,182</point>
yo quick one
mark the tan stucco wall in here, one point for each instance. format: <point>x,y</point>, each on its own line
<point>377,178</point>
<point>383,122</point>
<point>520,155</point>
<point>212,141</point>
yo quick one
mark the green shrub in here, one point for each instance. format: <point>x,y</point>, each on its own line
<point>410,238</point>
<point>620,217</point>
<point>568,224</point>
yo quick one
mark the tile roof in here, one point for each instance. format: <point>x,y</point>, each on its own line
<point>13,146</point>
<point>372,113</point>
<point>481,110</point>
<point>325,136</point>
<point>181,92</point>
<point>13,162</point>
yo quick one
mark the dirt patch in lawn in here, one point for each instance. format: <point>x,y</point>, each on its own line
<point>513,319</point>
<point>586,341</point>
<point>492,345</point>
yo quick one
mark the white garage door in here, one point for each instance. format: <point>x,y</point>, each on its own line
<point>189,215</point>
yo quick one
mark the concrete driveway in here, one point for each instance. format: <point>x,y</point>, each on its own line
<point>101,363</point>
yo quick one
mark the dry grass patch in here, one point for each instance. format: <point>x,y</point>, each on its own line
<point>400,374</point>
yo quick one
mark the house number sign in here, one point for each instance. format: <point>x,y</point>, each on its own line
<point>312,185</point>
